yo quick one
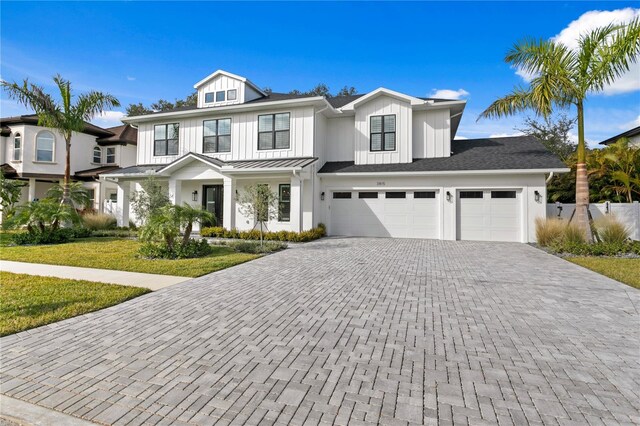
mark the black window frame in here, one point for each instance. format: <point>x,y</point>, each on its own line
<point>216,137</point>
<point>383,134</point>
<point>273,132</point>
<point>206,97</point>
<point>284,206</point>
<point>166,139</point>
<point>397,195</point>
<point>113,149</point>
<point>422,195</point>
<point>504,194</point>
<point>472,194</point>
<point>224,95</point>
<point>341,195</point>
<point>235,94</point>
<point>366,195</point>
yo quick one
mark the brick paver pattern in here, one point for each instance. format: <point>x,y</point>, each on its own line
<point>357,331</point>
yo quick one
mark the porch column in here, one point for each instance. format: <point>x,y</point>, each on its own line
<point>32,189</point>
<point>296,203</point>
<point>229,203</point>
<point>122,210</point>
<point>175,192</point>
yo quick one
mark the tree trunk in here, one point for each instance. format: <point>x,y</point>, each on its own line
<point>187,233</point>
<point>582,183</point>
<point>66,192</point>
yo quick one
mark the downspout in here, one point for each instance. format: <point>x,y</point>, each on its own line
<point>549,178</point>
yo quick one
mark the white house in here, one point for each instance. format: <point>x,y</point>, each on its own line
<point>633,135</point>
<point>380,164</point>
<point>36,155</point>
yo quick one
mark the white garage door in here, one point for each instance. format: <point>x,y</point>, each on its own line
<point>403,214</point>
<point>489,215</point>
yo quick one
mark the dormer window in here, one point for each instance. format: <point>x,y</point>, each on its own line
<point>97,155</point>
<point>220,96</point>
<point>208,97</point>
<point>232,95</point>
<point>17,147</point>
<point>383,133</point>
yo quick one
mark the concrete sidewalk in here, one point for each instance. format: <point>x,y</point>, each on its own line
<point>137,279</point>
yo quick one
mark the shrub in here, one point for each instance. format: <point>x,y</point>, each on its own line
<point>99,221</point>
<point>257,248</point>
<point>549,231</point>
<point>254,234</point>
<point>37,237</point>
<point>116,233</point>
<point>611,230</point>
<point>573,234</point>
<point>596,249</point>
<point>191,249</point>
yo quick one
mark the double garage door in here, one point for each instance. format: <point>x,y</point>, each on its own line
<point>483,215</point>
<point>402,214</point>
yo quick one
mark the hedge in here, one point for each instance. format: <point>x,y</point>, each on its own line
<point>254,234</point>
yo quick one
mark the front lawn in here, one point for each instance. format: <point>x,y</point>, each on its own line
<point>624,270</point>
<point>122,255</point>
<point>30,301</point>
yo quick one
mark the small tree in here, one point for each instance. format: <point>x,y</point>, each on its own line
<point>10,194</point>
<point>44,216</point>
<point>553,133</point>
<point>77,193</point>
<point>149,200</point>
<point>259,202</point>
<point>188,215</point>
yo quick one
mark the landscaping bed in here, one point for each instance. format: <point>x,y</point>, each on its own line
<point>31,301</point>
<point>123,255</point>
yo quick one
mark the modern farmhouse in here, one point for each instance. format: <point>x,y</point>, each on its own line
<point>36,155</point>
<point>379,164</point>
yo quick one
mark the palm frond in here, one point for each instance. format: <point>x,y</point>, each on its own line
<point>517,101</point>
<point>93,103</point>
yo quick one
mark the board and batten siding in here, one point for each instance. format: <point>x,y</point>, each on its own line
<point>223,82</point>
<point>340,138</point>
<point>384,105</point>
<point>244,137</point>
<point>431,133</point>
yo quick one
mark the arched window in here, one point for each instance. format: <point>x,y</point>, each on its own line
<point>45,143</point>
<point>97,155</point>
<point>17,147</point>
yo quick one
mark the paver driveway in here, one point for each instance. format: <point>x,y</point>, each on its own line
<point>351,331</point>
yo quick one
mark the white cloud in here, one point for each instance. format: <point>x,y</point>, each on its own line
<point>130,78</point>
<point>505,135</point>
<point>108,119</point>
<point>449,94</point>
<point>588,21</point>
<point>526,75</point>
<point>631,124</point>
<point>458,138</point>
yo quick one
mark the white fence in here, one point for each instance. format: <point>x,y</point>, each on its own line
<point>627,213</point>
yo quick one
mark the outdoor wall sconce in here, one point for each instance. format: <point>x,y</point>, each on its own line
<point>322,196</point>
<point>538,196</point>
<point>194,195</point>
<point>449,196</point>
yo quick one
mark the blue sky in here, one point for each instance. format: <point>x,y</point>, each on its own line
<point>143,51</point>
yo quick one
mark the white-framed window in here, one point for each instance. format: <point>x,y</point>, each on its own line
<point>97,155</point>
<point>17,147</point>
<point>45,143</point>
<point>111,155</point>
<point>113,197</point>
<point>232,94</point>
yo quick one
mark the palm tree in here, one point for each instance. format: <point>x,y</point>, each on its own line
<point>563,78</point>
<point>65,116</point>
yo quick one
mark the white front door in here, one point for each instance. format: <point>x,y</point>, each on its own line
<point>489,215</point>
<point>389,213</point>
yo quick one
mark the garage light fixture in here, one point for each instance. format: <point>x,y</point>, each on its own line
<point>449,196</point>
<point>194,195</point>
<point>538,196</point>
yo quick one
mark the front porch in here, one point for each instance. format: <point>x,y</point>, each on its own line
<point>215,186</point>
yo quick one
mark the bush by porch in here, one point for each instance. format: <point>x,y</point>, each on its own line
<point>254,234</point>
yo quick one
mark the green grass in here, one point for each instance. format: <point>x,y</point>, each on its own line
<point>623,270</point>
<point>122,255</point>
<point>30,301</point>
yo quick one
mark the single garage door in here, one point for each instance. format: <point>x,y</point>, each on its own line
<point>489,215</point>
<point>402,214</point>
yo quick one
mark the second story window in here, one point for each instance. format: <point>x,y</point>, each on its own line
<point>17,147</point>
<point>97,155</point>
<point>273,131</point>
<point>208,97</point>
<point>383,133</point>
<point>165,139</point>
<point>45,142</point>
<point>216,135</point>
<point>232,94</point>
<point>220,96</point>
<point>111,155</point>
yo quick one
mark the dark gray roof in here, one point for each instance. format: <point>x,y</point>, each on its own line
<point>272,163</point>
<point>136,170</point>
<point>518,152</point>
<point>627,134</point>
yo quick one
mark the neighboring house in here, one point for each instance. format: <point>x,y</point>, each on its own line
<point>36,155</point>
<point>633,135</point>
<point>378,164</point>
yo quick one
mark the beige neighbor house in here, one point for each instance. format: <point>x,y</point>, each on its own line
<point>36,155</point>
<point>382,164</point>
